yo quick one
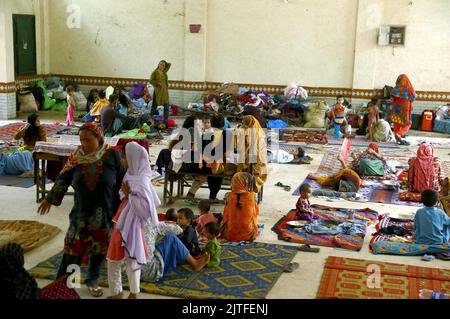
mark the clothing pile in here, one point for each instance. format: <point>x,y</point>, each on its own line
<point>258,99</point>
<point>50,95</point>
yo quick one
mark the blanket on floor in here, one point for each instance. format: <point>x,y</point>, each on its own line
<point>372,190</point>
<point>363,217</point>
<point>350,279</point>
<point>8,132</point>
<point>391,239</point>
<point>245,272</point>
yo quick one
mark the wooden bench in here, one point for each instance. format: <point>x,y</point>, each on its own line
<point>184,180</point>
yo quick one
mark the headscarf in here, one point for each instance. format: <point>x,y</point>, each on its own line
<point>79,157</point>
<point>423,168</point>
<point>257,146</point>
<point>142,202</point>
<point>404,89</point>
<point>240,183</point>
<point>14,279</point>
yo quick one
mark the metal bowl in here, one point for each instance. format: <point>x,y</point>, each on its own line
<point>297,223</point>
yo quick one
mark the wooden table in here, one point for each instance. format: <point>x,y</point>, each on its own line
<point>46,152</point>
<point>40,160</point>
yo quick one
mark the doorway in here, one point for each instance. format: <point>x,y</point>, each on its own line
<point>24,30</point>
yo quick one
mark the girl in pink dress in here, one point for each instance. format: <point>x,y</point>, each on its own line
<point>70,106</point>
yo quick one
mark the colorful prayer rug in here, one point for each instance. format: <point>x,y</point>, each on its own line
<point>367,194</point>
<point>372,190</point>
<point>8,132</point>
<point>304,136</point>
<point>28,234</point>
<point>338,215</point>
<point>332,165</point>
<point>346,278</point>
<point>245,272</point>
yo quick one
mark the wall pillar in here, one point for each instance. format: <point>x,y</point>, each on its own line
<point>7,81</point>
<point>195,45</point>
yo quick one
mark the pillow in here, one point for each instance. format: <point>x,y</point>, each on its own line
<point>59,290</point>
<point>80,101</point>
<point>27,103</point>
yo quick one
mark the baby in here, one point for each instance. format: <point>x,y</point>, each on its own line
<point>206,217</point>
<point>303,206</point>
<point>213,248</point>
<point>172,215</point>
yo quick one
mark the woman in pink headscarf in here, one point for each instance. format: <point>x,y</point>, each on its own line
<point>424,170</point>
<point>139,204</point>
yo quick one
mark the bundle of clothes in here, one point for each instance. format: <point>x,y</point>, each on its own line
<point>48,95</point>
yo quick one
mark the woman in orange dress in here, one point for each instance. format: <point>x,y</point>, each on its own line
<point>240,216</point>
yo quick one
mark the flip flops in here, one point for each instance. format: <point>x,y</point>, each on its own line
<point>191,202</point>
<point>95,291</point>
<point>291,267</point>
<point>287,188</point>
<point>404,142</point>
<point>443,256</point>
<point>428,258</point>
<point>308,249</point>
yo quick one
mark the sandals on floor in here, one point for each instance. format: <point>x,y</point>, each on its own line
<point>191,202</point>
<point>308,249</point>
<point>428,258</point>
<point>291,267</point>
<point>96,292</point>
<point>443,256</point>
<point>287,188</point>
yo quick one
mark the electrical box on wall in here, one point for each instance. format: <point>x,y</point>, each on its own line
<point>391,35</point>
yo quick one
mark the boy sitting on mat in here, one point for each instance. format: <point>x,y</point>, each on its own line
<point>431,224</point>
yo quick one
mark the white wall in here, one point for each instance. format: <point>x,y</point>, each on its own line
<point>324,43</point>
<point>270,42</point>
<point>425,58</point>
<point>117,38</point>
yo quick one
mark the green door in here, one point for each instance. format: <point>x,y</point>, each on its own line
<point>24,29</point>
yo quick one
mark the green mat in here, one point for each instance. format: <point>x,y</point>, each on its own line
<point>245,272</point>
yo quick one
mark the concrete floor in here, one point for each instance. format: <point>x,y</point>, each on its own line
<point>18,203</point>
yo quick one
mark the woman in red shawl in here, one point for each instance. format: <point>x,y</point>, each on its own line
<point>424,170</point>
<point>403,97</point>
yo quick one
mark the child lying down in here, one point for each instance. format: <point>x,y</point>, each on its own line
<point>296,156</point>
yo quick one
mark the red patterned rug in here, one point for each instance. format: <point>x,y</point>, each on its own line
<point>347,278</point>
<point>8,132</point>
<point>305,136</point>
